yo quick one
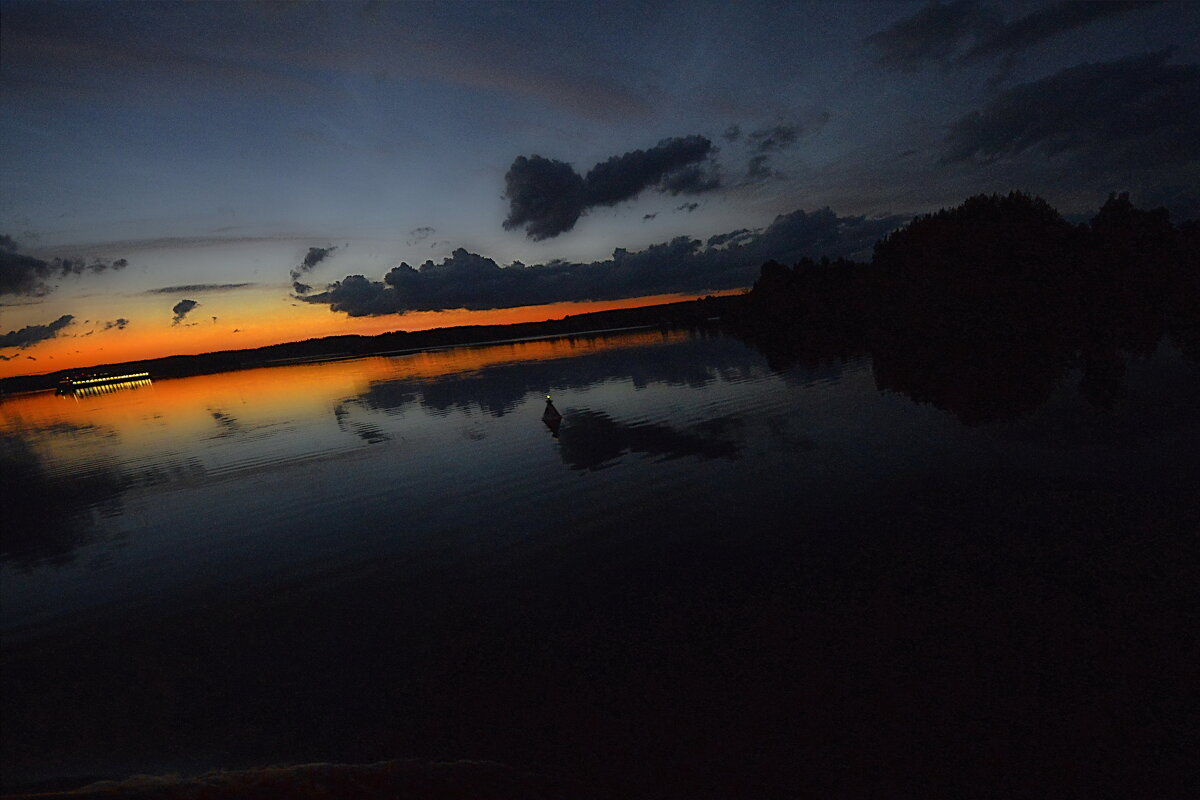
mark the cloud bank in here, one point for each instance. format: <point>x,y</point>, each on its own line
<point>932,35</point>
<point>1038,26</point>
<point>546,197</point>
<point>966,32</point>
<point>32,334</point>
<point>728,261</point>
<point>1135,111</point>
<point>22,274</point>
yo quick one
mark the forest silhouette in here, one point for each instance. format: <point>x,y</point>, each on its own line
<point>982,309</point>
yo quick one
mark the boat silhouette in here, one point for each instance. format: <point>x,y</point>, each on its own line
<point>551,416</point>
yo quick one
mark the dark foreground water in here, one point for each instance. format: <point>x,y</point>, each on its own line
<point>718,579</point>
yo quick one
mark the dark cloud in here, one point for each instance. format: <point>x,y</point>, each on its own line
<point>1024,32</point>
<point>688,207</point>
<point>695,179</point>
<point>624,177</point>
<point>181,310</point>
<point>547,197</point>
<point>26,275</point>
<point>931,35</point>
<point>733,236</point>
<point>966,32</point>
<point>22,274</point>
<point>469,280</point>
<point>649,216</point>
<point>119,324</point>
<point>312,258</point>
<point>779,137</point>
<point>76,266</point>
<point>759,169</point>
<point>732,133</point>
<point>419,235</point>
<point>32,334</point>
<point>192,288</point>
<point>1136,112</point>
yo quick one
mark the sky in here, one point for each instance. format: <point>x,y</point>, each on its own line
<point>187,177</point>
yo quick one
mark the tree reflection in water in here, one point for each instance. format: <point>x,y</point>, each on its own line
<point>592,440</point>
<point>982,310</point>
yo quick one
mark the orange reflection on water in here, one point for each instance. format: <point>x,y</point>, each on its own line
<point>266,323</point>
<point>266,395</point>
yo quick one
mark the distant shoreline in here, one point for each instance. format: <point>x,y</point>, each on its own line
<point>335,348</point>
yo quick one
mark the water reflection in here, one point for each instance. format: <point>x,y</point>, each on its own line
<point>980,376</point>
<point>371,434</point>
<point>227,425</point>
<point>661,397</point>
<point>71,465</point>
<point>592,440</point>
<point>405,544</point>
<point>496,389</point>
<point>105,388</point>
<point>48,514</point>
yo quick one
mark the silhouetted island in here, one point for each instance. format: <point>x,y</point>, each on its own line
<point>983,308</point>
<point>667,315</point>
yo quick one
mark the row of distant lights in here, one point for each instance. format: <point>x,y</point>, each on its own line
<point>109,388</point>
<point>137,376</point>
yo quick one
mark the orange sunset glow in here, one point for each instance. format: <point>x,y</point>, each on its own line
<point>297,389</point>
<point>244,329</point>
<point>719,400</point>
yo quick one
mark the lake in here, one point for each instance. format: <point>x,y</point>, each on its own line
<point>721,576</point>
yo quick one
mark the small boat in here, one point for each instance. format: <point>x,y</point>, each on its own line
<point>551,416</point>
<point>551,413</point>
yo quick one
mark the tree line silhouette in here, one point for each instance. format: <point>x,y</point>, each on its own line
<point>981,309</point>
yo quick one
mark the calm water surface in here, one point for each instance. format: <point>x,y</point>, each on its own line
<point>717,578</point>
